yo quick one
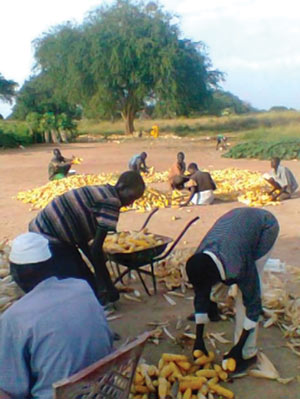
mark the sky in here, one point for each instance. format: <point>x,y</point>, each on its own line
<point>255,42</point>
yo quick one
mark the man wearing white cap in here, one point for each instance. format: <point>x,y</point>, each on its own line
<point>56,329</point>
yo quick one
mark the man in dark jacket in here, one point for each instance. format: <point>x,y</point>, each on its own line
<point>234,251</point>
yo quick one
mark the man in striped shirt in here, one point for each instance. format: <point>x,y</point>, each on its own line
<point>234,251</point>
<point>71,221</point>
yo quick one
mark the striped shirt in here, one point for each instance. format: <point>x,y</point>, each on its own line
<point>238,239</point>
<point>73,217</point>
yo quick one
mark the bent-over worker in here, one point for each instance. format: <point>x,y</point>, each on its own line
<point>201,186</point>
<point>282,180</point>
<point>234,251</point>
<point>138,163</point>
<point>73,219</point>
<point>57,329</point>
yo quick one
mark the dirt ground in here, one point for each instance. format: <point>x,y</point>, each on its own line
<point>25,169</point>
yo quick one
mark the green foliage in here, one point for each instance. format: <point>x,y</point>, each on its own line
<point>14,134</point>
<point>284,149</point>
<point>123,57</point>
<point>221,101</point>
<point>38,95</point>
<point>7,89</point>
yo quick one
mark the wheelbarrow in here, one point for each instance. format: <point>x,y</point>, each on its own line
<point>149,256</point>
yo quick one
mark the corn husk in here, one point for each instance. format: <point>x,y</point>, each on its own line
<point>265,368</point>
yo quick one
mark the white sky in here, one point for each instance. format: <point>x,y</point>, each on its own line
<point>256,42</point>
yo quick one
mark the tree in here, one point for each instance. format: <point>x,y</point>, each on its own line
<point>123,57</point>
<point>224,101</point>
<point>7,89</point>
<point>38,95</point>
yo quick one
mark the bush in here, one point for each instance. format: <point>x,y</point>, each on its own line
<point>284,149</point>
<point>14,134</point>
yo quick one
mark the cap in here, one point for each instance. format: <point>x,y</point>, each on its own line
<point>29,248</point>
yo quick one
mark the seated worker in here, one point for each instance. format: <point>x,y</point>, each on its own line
<point>138,163</point>
<point>176,173</point>
<point>59,166</point>
<point>71,220</point>
<point>234,251</point>
<point>282,180</point>
<point>55,330</point>
<point>201,186</point>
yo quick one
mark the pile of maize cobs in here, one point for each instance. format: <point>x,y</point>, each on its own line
<point>176,376</point>
<point>232,185</point>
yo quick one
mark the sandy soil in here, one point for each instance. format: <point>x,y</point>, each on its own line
<point>25,169</point>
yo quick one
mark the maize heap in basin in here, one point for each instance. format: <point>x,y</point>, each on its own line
<point>133,241</point>
<point>232,185</point>
<point>177,376</point>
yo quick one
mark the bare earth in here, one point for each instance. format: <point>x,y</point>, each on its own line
<point>26,169</point>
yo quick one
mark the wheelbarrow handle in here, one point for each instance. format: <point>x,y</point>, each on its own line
<point>149,217</point>
<point>177,240</point>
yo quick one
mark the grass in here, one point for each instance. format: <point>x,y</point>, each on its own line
<point>246,127</point>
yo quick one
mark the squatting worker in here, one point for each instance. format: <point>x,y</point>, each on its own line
<point>176,173</point>
<point>234,251</point>
<point>55,330</point>
<point>282,180</point>
<point>73,219</point>
<point>59,166</point>
<point>138,163</point>
<point>201,186</point>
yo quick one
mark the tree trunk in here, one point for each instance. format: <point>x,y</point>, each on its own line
<point>47,136</point>
<point>129,122</point>
<point>63,135</point>
<point>54,136</point>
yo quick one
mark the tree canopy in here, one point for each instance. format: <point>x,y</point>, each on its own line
<point>122,58</point>
<point>224,101</point>
<point>7,89</point>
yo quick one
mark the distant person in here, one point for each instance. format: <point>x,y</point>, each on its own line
<point>201,186</point>
<point>221,142</point>
<point>176,173</point>
<point>282,180</point>
<point>55,330</point>
<point>59,166</point>
<point>138,163</point>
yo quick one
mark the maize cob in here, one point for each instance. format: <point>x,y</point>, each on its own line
<point>162,388</point>
<point>187,394</point>
<point>205,359</point>
<point>206,373</point>
<point>170,357</point>
<point>222,391</point>
<point>229,364</point>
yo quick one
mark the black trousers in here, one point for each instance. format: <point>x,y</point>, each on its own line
<point>68,262</point>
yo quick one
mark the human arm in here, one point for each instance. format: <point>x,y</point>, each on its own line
<point>104,281</point>
<point>213,184</point>
<point>201,305</point>
<point>236,352</point>
<point>106,213</point>
<point>141,165</point>
<point>192,193</point>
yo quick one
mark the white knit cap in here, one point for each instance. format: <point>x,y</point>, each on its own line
<point>29,248</point>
